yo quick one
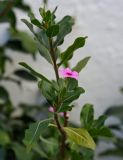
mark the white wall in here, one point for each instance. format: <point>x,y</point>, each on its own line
<point>102,22</point>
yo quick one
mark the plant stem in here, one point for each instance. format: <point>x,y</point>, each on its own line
<point>65,119</point>
<point>63,145</point>
<point>7,8</point>
<point>53,58</point>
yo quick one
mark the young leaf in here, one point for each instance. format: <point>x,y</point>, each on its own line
<point>34,20</point>
<point>25,75</point>
<point>87,116</point>
<point>99,122</point>
<point>42,37</point>
<point>33,133</point>
<point>80,136</point>
<point>29,25</point>
<point>44,51</point>
<point>68,54</point>
<point>34,72</point>
<point>65,27</point>
<point>52,31</point>
<point>81,64</point>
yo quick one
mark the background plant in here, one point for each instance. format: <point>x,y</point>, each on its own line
<point>117,128</point>
<point>57,138</point>
<point>12,125</point>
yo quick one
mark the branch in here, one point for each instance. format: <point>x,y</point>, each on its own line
<point>7,8</point>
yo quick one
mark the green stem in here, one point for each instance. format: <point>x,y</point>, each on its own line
<point>60,128</point>
<point>53,58</point>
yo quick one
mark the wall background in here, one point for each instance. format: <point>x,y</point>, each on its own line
<point>101,21</point>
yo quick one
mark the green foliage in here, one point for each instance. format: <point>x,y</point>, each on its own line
<point>4,96</point>
<point>34,20</point>
<point>87,116</point>
<point>21,153</point>
<point>116,112</point>
<point>4,138</point>
<point>80,136</point>
<point>33,71</point>
<point>52,31</point>
<point>68,54</point>
<point>12,125</point>
<point>96,127</point>
<point>24,75</point>
<point>65,27</point>
<point>44,51</point>
<point>34,132</point>
<point>81,64</point>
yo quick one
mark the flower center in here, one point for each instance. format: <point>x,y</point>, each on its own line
<point>69,73</point>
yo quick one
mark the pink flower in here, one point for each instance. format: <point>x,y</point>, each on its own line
<point>51,109</point>
<point>67,72</point>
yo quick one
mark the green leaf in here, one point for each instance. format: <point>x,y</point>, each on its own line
<point>71,84</point>
<point>81,64</point>
<point>34,72</point>
<point>48,16</point>
<point>21,153</point>
<point>21,41</point>
<point>68,54</point>
<point>80,136</point>
<point>24,75</point>
<point>29,25</point>
<point>116,152</point>
<point>101,132</point>
<point>4,138</point>
<point>34,20</point>
<point>65,27</point>
<point>3,59</point>
<point>40,151</point>
<point>4,96</point>
<point>48,91</point>
<point>42,12</point>
<point>51,145</point>
<point>64,108</point>
<point>44,52</point>
<point>21,5</point>
<point>115,111</point>
<point>52,31</point>
<point>10,18</point>
<point>27,42</point>
<point>73,95</point>
<point>99,122</point>
<point>42,37</point>
<point>32,134</point>
<point>87,116</point>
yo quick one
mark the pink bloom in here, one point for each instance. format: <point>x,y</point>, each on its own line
<point>51,109</point>
<point>67,72</point>
<point>61,114</point>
